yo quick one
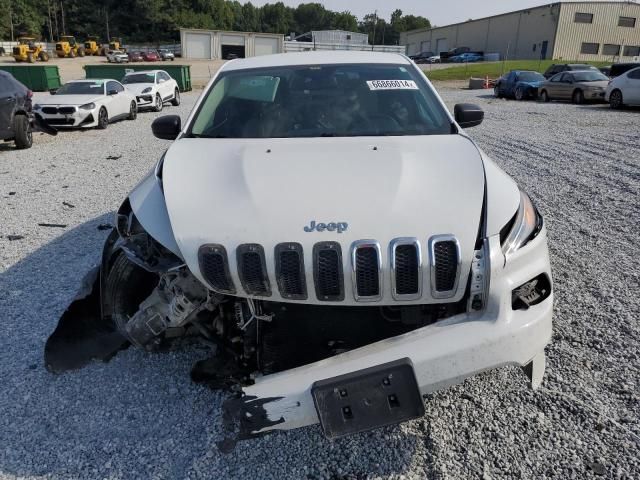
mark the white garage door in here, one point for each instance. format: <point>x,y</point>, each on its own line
<point>266,46</point>
<point>233,40</point>
<point>198,45</point>
<point>441,46</point>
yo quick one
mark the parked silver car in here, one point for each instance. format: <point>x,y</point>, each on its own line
<point>579,87</point>
<point>166,54</point>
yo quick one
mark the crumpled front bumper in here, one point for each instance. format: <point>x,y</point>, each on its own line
<point>80,118</point>
<point>443,354</point>
<point>145,100</point>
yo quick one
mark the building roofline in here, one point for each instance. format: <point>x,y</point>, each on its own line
<point>546,5</point>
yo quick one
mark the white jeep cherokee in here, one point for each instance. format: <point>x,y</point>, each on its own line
<point>327,224</point>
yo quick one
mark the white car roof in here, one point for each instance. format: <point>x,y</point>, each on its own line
<point>143,71</point>
<point>316,58</point>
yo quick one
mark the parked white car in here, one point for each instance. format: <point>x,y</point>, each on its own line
<point>117,56</point>
<point>624,89</point>
<point>88,103</point>
<point>327,222</point>
<point>152,88</point>
<point>434,59</point>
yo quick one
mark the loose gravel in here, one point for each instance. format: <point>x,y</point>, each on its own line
<point>139,416</point>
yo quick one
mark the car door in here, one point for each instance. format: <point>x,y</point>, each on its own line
<point>508,84</point>
<point>565,86</point>
<point>164,85</point>
<point>8,100</point>
<point>552,86</point>
<point>631,92</point>
<point>118,104</point>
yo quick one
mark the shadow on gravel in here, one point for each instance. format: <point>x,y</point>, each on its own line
<point>139,415</point>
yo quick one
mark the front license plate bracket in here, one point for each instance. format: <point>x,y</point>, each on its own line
<point>366,399</point>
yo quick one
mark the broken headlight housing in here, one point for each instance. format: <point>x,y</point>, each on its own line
<point>524,227</point>
<point>146,90</point>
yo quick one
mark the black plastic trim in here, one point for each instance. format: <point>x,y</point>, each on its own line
<point>241,252</point>
<point>332,246</point>
<point>278,251</point>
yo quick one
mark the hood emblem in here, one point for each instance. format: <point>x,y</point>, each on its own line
<point>329,227</point>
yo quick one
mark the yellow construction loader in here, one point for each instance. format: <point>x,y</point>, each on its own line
<point>116,44</point>
<point>93,47</point>
<point>28,50</point>
<point>68,47</point>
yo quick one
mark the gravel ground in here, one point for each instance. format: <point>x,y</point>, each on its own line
<point>139,416</point>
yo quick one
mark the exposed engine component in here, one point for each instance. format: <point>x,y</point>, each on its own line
<point>177,299</point>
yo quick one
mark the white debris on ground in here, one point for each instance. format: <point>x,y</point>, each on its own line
<point>140,416</point>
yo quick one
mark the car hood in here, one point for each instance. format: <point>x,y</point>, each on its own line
<point>137,88</point>
<point>69,99</point>
<point>266,191</point>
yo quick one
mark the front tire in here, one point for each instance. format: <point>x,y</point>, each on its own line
<point>176,98</point>
<point>159,104</point>
<point>496,92</point>
<point>544,96</point>
<point>133,111</point>
<point>24,135</point>
<point>81,52</point>
<point>578,97</point>
<point>616,100</point>
<point>103,119</point>
<point>519,94</point>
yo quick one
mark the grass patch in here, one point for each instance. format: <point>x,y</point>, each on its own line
<point>494,69</point>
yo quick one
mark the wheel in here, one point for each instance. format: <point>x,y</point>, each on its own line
<point>103,119</point>
<point>544,96</point>
<point>496,92</point>
<point>519,94</point>
<point>172,59</point>
<point>616,100</point>
<point>44,56</point>
<point>81,52</point>
<point>72,53</point>
<point>158,105</point>
<point>22,127</point>
<point>176,98</point>
<point>577,97</point>
<point>30,58</point>
<point>133,111</point>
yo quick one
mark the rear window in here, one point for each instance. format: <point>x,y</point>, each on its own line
<point>320,101</point>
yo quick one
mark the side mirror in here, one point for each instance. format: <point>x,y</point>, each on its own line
<point>468,115</point>
<point>112,92</point>
<point>53,91</point>
<point>167,127</point>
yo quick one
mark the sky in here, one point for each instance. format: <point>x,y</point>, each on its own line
<point>439,12</point>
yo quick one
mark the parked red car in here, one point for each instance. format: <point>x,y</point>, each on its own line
<point>135,56</point>
<point>151,56</point>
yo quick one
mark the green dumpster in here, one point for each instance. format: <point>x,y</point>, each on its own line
<point>39,78</point>
<point>181,73</point>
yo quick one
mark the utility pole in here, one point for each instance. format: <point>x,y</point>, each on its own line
<point>50,25</point>
<point>375,23</point>
<point>11,21</point>
<point>106,18</point>
<point>54,7</point>
<point>64,30</point>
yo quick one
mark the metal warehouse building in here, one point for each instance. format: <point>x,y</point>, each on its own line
<point>580,31</point>
<point>215,44</point>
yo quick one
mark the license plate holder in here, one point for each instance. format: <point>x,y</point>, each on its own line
<point>366,399</point>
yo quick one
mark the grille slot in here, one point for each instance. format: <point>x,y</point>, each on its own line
<point>406,266</point>
<point>50,110</point>
<point>290,272</point>
<point>214,266</point>
<point>66,110</point>
<point>252,269</point>
<point>366,264</point>
<point>445,266</point>
<point>327,271</point>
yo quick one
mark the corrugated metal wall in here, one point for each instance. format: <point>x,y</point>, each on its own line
<point>603,30</point>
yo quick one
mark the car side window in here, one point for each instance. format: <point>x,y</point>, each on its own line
<point>565,78</point>
<point>556,78</point>
<point>114,86</point>
<point>634,74</point>
<point>165,75</point>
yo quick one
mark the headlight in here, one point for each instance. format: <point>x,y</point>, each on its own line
<point>88,106</point>
<point>146,90</point>
<point>526,225</point>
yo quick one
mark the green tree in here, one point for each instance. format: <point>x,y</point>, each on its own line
<point>344,21</point>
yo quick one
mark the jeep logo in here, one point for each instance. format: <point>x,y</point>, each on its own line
<point>329,227</point>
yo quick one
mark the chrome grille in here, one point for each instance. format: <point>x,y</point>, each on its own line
<point>327,271</point>
<point>366,265</point>
<point>406,269</point>
<point>252,269</point>
<point>445,265</point>
<point>214,266</point>
<point>290,272</point>
<point>50,110</point>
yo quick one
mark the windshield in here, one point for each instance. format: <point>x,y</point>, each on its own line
<point>82,88</point>
<point>139,78</point>
<point>320,101</point>
<point>530,77</point>
<point>589,77</point>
